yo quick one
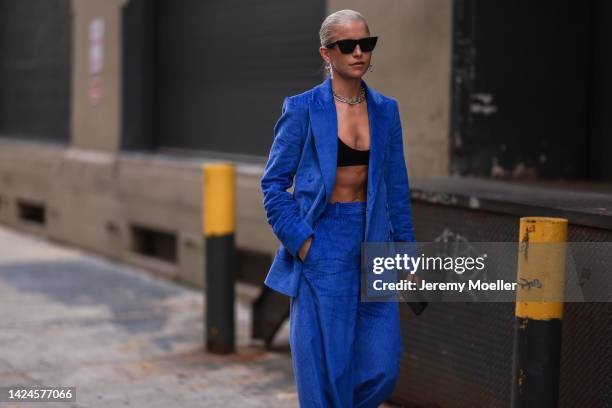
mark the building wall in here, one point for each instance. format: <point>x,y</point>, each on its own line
<point>93,195</point>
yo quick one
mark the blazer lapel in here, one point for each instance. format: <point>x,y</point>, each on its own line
<point>324,124</point>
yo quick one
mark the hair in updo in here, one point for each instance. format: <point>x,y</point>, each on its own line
<point>330,24</point>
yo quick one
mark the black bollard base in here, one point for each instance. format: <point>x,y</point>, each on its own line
<point>536,369</point>
<point>220,276</point>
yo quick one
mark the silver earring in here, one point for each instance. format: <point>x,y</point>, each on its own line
<point>370,68</point>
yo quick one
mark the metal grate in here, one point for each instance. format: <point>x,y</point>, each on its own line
<point>460,354</point>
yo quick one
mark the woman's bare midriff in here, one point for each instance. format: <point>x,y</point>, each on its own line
<point>352,181</point>
<point>351,184</point>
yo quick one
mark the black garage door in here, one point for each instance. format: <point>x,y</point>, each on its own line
<point>532,89</point>
<point>35,44</point>
<point>218,71</point>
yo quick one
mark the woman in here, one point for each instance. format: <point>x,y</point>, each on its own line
<point>342,142</point>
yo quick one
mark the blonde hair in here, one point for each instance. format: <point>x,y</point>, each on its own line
<point>330,25</point>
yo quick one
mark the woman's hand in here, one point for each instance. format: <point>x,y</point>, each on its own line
<point>414,277</point>
<point>305,248</point>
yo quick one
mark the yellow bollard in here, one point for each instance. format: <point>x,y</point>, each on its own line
<point>218,228</point>
<point>537,348</point>
<point>219,198</point>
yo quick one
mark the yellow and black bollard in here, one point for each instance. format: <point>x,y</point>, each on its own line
<point>537,347</point>
<point>219,222</point>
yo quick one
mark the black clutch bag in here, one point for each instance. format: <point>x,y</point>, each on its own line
<point>418,307</point>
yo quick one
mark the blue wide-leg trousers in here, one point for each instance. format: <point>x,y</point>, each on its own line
<point>345,353</point>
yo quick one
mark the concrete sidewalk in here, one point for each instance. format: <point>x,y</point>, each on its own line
<point>121,336</point>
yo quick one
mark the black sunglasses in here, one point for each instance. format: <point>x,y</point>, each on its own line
<point>347,46</point>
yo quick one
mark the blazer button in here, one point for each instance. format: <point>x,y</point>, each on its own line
<point>310,177</point>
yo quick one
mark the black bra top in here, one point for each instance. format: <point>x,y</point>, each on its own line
<point>347,156</point>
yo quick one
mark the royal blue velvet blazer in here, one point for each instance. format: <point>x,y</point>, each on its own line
<point>305,147</point>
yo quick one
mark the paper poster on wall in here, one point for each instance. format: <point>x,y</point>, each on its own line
<point>96,45</point>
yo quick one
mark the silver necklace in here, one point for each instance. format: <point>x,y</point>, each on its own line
<point>354,101</point>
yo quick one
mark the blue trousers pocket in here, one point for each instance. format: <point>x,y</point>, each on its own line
<point>309,254</point>
<point>332,264</point>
